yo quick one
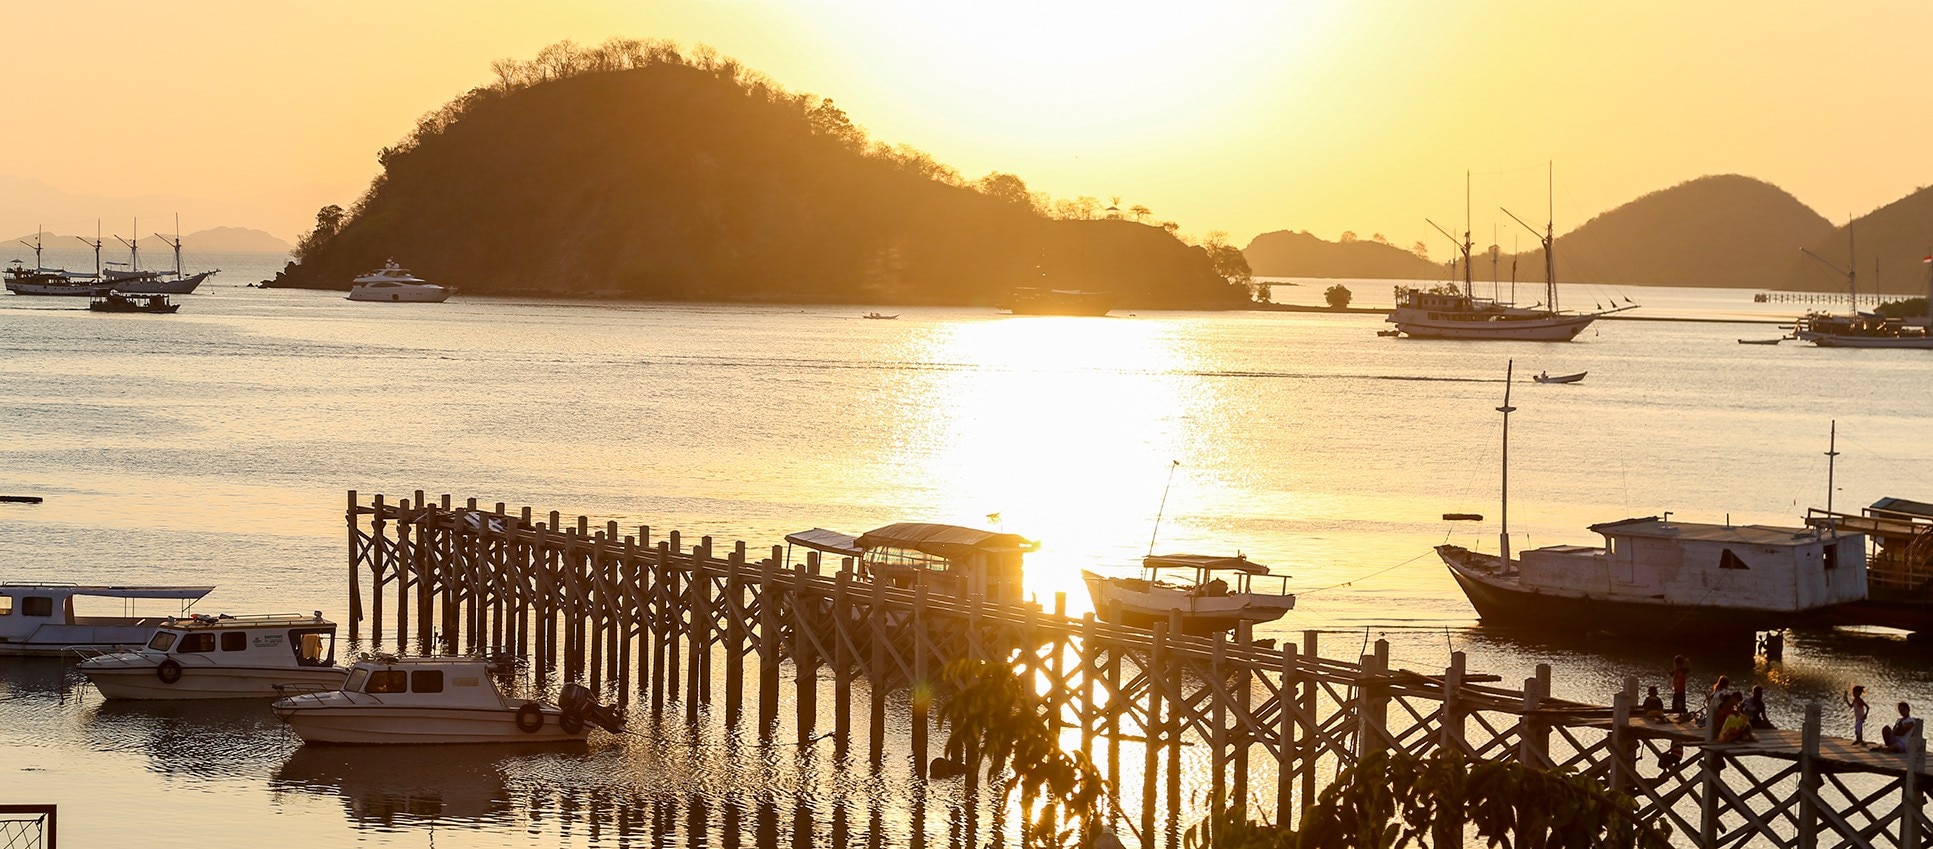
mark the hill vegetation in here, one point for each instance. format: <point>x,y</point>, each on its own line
<point>631,170</point>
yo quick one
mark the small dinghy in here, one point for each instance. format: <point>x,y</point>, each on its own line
<point>1547,377</point>
<point>1761,341</point>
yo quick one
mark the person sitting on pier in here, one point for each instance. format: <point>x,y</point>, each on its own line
<point>1653,707</point>
<point>1895,735</point>
<point>1720,689</point>
<point>1732,723</point>
<point>1755,708</point>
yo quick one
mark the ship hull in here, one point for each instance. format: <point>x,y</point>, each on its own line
<point>1499,601</point>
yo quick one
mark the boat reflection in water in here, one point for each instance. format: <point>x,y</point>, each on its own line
<point>449,785</point>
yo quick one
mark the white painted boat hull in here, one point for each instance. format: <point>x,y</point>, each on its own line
<point>374,724</point>
<point>1558,328</point>
<point>424,294</point>
<point>138,680</point>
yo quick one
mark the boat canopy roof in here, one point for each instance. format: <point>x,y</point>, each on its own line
<point>831,542</point>
<point>1206,562</point>
<point>1656,528</point>
<point>948,541</point>
<point>1917,509</point>
<point>113,592</point>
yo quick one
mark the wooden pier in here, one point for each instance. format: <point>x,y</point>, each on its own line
<point>650,620</point>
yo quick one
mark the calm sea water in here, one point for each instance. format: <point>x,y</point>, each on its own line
<point>216,445</point>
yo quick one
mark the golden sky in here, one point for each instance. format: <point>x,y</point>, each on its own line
<point>1238,117</point>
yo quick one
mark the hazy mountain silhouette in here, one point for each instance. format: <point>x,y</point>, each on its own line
<point>630,171</point>
<point>1892,244</point>
<point>1725,230</point>
<point>234,240</point>
<point>1299,254</point>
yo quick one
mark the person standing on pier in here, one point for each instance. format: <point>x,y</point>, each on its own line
<point>1680,671</point>
<point>1857,701</point>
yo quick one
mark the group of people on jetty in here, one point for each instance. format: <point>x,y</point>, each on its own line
<point>1734,715</point>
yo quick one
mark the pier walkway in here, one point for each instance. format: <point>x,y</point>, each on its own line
<point>643,616</point>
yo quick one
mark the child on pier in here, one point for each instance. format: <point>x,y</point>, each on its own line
<point>1857,701</point>
<point>1680,670</point>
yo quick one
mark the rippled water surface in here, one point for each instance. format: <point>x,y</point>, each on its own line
<point>216,446</point>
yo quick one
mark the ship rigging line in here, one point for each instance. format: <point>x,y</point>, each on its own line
<point>1361,577</point>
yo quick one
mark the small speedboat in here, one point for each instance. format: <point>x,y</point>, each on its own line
<point>1761,341</point>
<point>1547,377</point>
<point>388,699</point>
<point>880,316</point>
<point>1208,593</point>
<point>394,283</point>
<point>221,657</point>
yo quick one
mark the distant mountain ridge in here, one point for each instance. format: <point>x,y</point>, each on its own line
<point>211,240</point>
<point>1723,230</point>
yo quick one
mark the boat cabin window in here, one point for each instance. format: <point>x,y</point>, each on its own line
<point>1832,556</point>
<point>1728,560</point>
<point>37,605</point>
<point>162,640</point>
<point>196,644</point>
<point>313,648</point>
<point>387,681</point>
<point>426,681</point>
<point>356,678</point>
<point>6,605</point>
<point>234,641</point>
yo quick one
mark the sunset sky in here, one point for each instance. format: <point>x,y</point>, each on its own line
<point>1238,117</point>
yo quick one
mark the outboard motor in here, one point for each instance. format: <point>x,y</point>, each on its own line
<point>576,700</point>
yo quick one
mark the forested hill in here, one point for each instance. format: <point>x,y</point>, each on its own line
<point>1290,254</point>
<point>630,171</point>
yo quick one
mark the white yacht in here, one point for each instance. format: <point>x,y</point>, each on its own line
<point>393,282</point>
<point>1210,593</point>
<point>437,700</point>
<point>222,657</point>
<point>40,619</point>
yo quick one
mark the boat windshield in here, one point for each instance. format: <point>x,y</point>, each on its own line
<point>356,679</point>
<point>162,641</point>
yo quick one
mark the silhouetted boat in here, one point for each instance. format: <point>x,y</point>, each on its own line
<point>1761,341</point>
<point>879,316</point>
<point>1032,301</point>
<point>1899,569</point>
<point>1863,329</point>
<point>116,301</point>
<point>40,280</point>
<point>1546,377</point>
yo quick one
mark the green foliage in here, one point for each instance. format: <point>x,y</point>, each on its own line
<point>1338,296</point>
<point>1389,801</point>
<point>997,722</point>
<point>1909,308</point>
<point>328,220</point>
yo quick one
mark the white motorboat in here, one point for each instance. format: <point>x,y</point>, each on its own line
<point>394,283</point>
<point>40,619</point>
<point>437,700</point>
<point>222,657</point>
<point>1209,593</point>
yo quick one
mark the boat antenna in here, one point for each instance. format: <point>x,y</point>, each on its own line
<point>1164,506</point>
<point>1832,459</point>
<point>1503,534</point>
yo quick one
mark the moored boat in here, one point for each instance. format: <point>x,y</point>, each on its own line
<point>40,280</point>
<point>1449,312</point>
<point>222,657</point>
<point>1899,567</point>
<point>394,283</point>
<point>390,700</point>
<point>1035,301</point>
<point>40,619</point>
<point>1859,329</point>
<point>1547,377</point>
<point>1207,593</point>
<point>118,301</point>
<point>1656,578</point>
<point>964,563</point>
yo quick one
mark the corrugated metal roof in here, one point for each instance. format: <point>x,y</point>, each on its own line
<point>1655,528</point>
<point>943,540</point>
